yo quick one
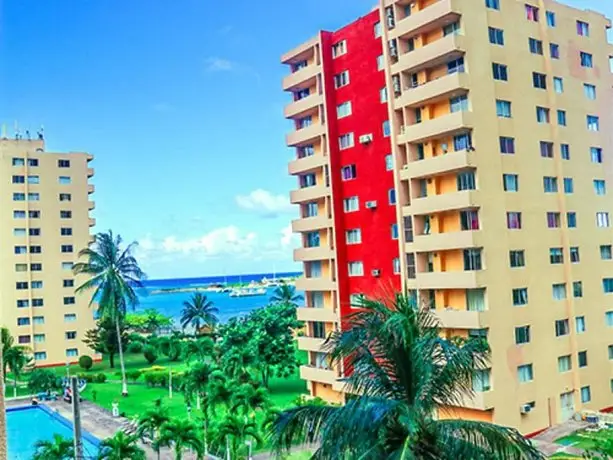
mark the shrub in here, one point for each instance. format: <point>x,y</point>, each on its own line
<point>43,380</point>
<point>133,375</point>
<point>156,379</point>
<point>100,378</point>
<point>150,354</point>
<point>135,347</point>
<point>86,362</point>
<point>154,369</point>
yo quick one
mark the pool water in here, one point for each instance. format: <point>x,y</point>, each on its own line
<point>26,425</point>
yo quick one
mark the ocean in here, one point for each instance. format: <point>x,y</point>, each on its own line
<point>171,303</point>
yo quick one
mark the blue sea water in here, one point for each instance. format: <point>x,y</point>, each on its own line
<point>171,303</point>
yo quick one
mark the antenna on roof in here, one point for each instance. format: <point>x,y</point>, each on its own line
<point>17,133</point>
<point>41,133</point>
<point>28,137</point>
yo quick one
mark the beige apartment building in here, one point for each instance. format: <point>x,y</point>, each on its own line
<point>498,121</point>
<point>45,199</point>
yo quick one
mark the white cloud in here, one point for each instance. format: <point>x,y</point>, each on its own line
<point>216,64</point>
<point>265,203</point>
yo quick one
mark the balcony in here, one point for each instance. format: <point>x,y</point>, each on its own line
<point>429,129</point>
<point>311,254</point>
<point>91,205</point>
<point>315,374</point>
<point>309,224</point>
<point>92,222</point>
<point>302,136</point>
<point>481,400</point>
<point>311,344</point>
<point>308,163</point>
<point>445,241</point>
<point>450,280</point>
<point>303,78</point>
<point>433,91</point>
<point>460,319</point>
<point>441,164</point>
<point>326,315</point>
<point>434,16</point>
<point>303,105</point>
<point>90,172</point>
<point>315,284</point>
<point>309,194</point>
<point>303,51</point>
<point>91,188</point>
<point>445,202</point>
<point>434,54</point>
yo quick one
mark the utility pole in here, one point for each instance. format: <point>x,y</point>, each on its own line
<point>76,416</point>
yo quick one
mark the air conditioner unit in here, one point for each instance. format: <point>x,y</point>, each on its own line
<point>371,204</point>
<point>366,139</point>
<point>376,272</point>
<point>405,166</point>
<point>525,409</point>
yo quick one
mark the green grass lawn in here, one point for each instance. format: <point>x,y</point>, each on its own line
<point>585,440</point>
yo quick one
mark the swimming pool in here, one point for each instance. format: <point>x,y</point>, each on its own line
<point>28,424</point>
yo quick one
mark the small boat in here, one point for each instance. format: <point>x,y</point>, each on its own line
<point>248,292</point>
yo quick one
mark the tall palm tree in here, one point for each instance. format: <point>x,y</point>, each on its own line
<point>286,294</point>
<point>403,374</point>
<point>150,423</point>
<point>59,448</point>
<point>199,349</point>
<point>3,435</point>
<point>199,312</point>
<point>181,435</point>
<point>248,399</point>
<point>121,446</point>
<point>114,275</point>
<point>220,390</point>
<point>18,359</point>
<point>234,431</point>
<point>8,341</point>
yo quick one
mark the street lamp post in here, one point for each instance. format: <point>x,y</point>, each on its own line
<point>249,444</point>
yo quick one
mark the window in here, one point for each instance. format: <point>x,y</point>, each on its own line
<point>574,254</point>
<point>307,180</point>
<point>546,149</point>
<point>18,162</point>
<point>517,259</point>
<point>302,152</point>
<point>21,250</point>
<point>568,185</point>
<point>466,181</point>
<point>510,182</point>
<point>565,151</point>
<point>67,266</point>
<point>67,283</point>
<point>33,180</point>
<point>356,269</point>
<point>600,187</point>
<point>586,394</point>
<point>24,339</point>
<point>389,162</point>
<point>70,318</point>
<point>353,236</point>
<point>67,231</point>
<point>469,220</point>
<point>503,108</point>
<point>586,60</point>
<point>532,13</point>
<point>562,327</point>
<point>458,104</point>
<point>34,214</point>
<point>65,214</point>
<point>351,204</point>
<point>520,297</point>
<point>380,62</point>
<point>21,285</point>
<point>378,29</point>
<point>343,110</point>
<point>40,355</point>
<point>396,266</point>
<point>571,219</point>
<point>562,117</point>
<point>37,302</point>
<point>606,252</point>
<point>452,29</point>
<point>550,184</point>
<point>341,79</point>
<point>559,291</point>
<point>481,380</point>
<point>493,4</point>
<point>564,363</point>
<point>607,285</point>
<point>525,373</point>
<point>596,154</point>
<point>602,219</point>
<point>305,122</point>
<point>21,267</point>
<point>522,335</point>
<point>71,335</point>
<point>593,123</point>
<point>556,256</point>
<point>348,172</point>
<point>64,180</point>
<point>66,248</point>
<point>472,259</point>
<point>69,300</point>
<point>63,163</point>
<point>500,72</point>
<point>340,48</point>
<point>582,358</point>
<point>475,300</point>
<point>583,29</point>
<point>23,321</point>
<point>36,249</point>
<point>460,142</point>
<point>386,129</point>
<point>554,50</point>
<point>496,36</point>
<point>558,85</point>
<point>19,232</point>
<point>536,46</point>
<point>589,91</point>
<point>507,145</point>
<point>551,18</point>
<point>539,80</point>
<point>37,284</point>
<point>514,220</point>
<point>312,240</point>
<point>345,141</point>
<point>580,324</point>
<point>455,66</point>
<point>394,229</point>
<point>36,267</point>
<point>542,115</point>
<point>19,197</point>
<point>383,95</point>
<point>19,214</point>
<point>391,196</point>
<point>553,220</point>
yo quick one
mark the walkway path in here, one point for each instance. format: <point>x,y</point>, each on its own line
<point>546,441</point>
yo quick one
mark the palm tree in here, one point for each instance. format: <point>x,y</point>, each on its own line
<point>18,359</point>
<point>181,435</point>
<point>219,390</point>
<point>249,398</point>
<point>114,275</point>
<point>199,349</point>
<point>404,372</point>
<point>8,341</point>
<point>199,312</point>
<point>121,446</point>
<point>286,294</point>
<point>3,435</point>
<point>150,424</point>
<point>59,448</point>
<point>233,431</point>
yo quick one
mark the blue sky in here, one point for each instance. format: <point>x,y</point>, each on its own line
<point>181,103</point>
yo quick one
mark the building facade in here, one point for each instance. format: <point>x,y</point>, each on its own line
<point>460,150</point>
<point>45,199</point>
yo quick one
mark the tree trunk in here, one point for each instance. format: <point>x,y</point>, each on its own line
<point>206,442</point>
<point>15,386</point>
<point>124,381</point>
<point>178,452</point>
<point>3,447</point>
<point>112,360</point>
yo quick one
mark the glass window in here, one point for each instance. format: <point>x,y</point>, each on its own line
<point>387,132</point>
<point>559,291</point>
<point>481,380</point>
<point>493,4</point>
<point>561,327</point>
<point>577,289</point>
<point>383,95</point>
<point>64,180</point>
<point>517,259</point>
<point>340,48</point>
<point>356,269</point>
<point>532,13</point>
<point>542,115</point>
<point>589,91</point>
<point>354,236</point>
<point>562,117</point>
<point>466,181</point>
<point>606,252</point>
<point>522,335</point>
<point>568,185</point>
<point>525,373</point>
<point>558,85</point>
<point>550,184</point>
<point>593,123</point>
<point>582,358</point>
<point>580,324</point>
<point>546,149</point>
<point>500,72</point>
<point>571,219</point>
<point>586,60</point>
<point>343,110</point>
<point>596,154</point>
<point>503,108</point>
<point>19,162</point>
<point>574,254</point>
<point>469,220</point>
<point>70,317</point>
<point>514,220</point>
<point>389,162</point>
<point>565,151</point>
<point>394,231</point>
<point>66,163</point>
<point>556,256</point>
<point>349,172</point>
<point>520,296</point>
<point>341,79</point>
<point>583,29</point>
<point>554,50</point>
<point>510,182</point>
<point>496,36</point>
<point>458,104</point>
<point>551,18</point>
<point>536,46</point>
<point>607,285</point>
<point>553,220</point>
<point>472,259</point>
<point>378,29</point>
<point>40,355</point>
<point>600,187</point>
<point>564,363</point>
<point>586,394</point>
<point>452,29</point>
<point>396,265</point>
<point>460,142</point>
<point>507,145</point>
<point>602,219</point>
<point>391,196</point>
<point>539,80</point>
<point>346,141</point>
<point>475,300</point>
<point>380,62</point>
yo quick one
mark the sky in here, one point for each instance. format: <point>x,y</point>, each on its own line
<point>180,101</point>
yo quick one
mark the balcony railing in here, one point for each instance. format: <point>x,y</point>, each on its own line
<point>311,344</point>
<point>316,284</point>
<point>315,374</point>
<point>431,55</point>
<point>303,135</point>
<point>434,16</point>
<point>461,319</point>
<point>304,77</point>
<point>449,124</point>
<point>303,105</point>
<point>312,254</point>
<point>309,224</point>
<point>450,280</point>
<point>309,193</point>
<point>325,315</point>
<point>440,164</point>
<point>446,241</point>
<point>432,91</point>
<point>308,163</point>
<point>444,202</point>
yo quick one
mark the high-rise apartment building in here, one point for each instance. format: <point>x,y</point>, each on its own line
<point>45,204</point>
<point>460,150</point>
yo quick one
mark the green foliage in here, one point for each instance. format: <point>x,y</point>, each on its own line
<point>18,360</point>
<point>150,321</point>
<point>59,448</point>
<point>136,347</point>
<point>121,446</point>
<point>86,362</point>
<point>134,375</point>
<point>181,435</point>
<point>234,431</point>
<point>156,378</point>
<point>103,338</point>
<point>602,450</point>
<point>286,294</point>
<point>199,313</point>
<point>403,372</point>
<point>171,346</point>
<point>43,380</point>
<point>199,349</point>
<point>92,378</point>
<point>150,354</point>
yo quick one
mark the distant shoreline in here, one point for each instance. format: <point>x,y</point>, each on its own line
<point>215,287</point>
